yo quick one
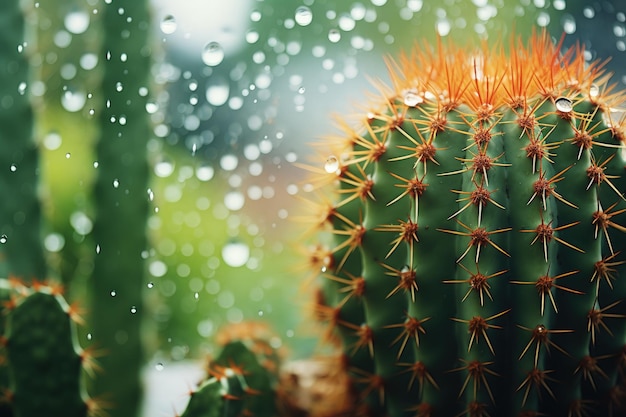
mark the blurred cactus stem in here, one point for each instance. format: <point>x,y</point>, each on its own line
<point>21,251</point>
<point>121,204</point>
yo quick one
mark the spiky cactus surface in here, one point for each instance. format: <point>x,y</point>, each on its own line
<point>472,255</point>
<point>241,381</point>
<point>42,354</point>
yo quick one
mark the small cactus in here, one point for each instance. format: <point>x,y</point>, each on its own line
<point>242,380</point>
<point>471,246</point>
<point>44,359</point>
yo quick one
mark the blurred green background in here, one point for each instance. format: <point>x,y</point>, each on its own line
<point>238,91</point>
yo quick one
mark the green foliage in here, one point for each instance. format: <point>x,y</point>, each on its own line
<point>472,252</point>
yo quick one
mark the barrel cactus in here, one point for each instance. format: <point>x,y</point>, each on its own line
<point>470,254</point>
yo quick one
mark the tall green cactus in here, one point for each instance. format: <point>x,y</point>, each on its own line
<point>472,253</point>
<point>121,203</point>
<point>21,250</point>
<point>41,367</point>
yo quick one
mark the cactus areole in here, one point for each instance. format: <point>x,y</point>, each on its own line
<point>471,254</point>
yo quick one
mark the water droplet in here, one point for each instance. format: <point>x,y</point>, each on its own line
<point>3,239</point>
<point>133,309</point>
<point>76,22</point>
<point>168,24</point>
<point>113,293</point>
<point>164,167</point>
<point>229,162</point>
<point>68,155</point>
<point>97,248</point>
<point>234,200</point>
<point>346,22</point>
<point>594,91</point>
<point>412,98</point>
<point>235,254</point>
<point>151,285</point>
<point>196,295</point>
<point>443,27</point>
<point>73,101</point>
<point>159,366</point>
<point>331,165</point>
<point>212,54</point>
<point>205,172</point>
<point>89,336</point>
<point>116,183</point>
<point>13,168</point>
<point>304,16</point>
<point>563,104</point>
<point>81,223</point>
<point>334,35</point>
<point>21,88</point>
<point>217,94</point>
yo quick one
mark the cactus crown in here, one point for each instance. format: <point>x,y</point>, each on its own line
<point>470,250</point>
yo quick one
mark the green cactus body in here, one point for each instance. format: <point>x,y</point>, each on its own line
<point>121,203</point>
<point>475,244</point>
<point>238,386</point>
<point>20,214</point>
<point>44,359</point>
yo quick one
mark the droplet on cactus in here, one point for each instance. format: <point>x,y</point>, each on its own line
<point>563,104</point>
<point>332,164</point>
<point>475,226</point>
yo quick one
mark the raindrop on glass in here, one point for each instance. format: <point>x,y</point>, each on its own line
<point>334,35</point>
<point>563,104</point>
<point>164,167</point>
<point>205,172</point>
<point>76,22</point>
<point>236,254</point>
<point>168,24</point>
<point>331,165</point>
<point>346,22</point>
<point>234,200</point>
<point>212,54</point>
<point>304,16</point>
<point>73,101</point>
<point>217,94</point>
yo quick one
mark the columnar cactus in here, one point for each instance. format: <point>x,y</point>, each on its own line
<point>121,203</point>
<point>472,253</point>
